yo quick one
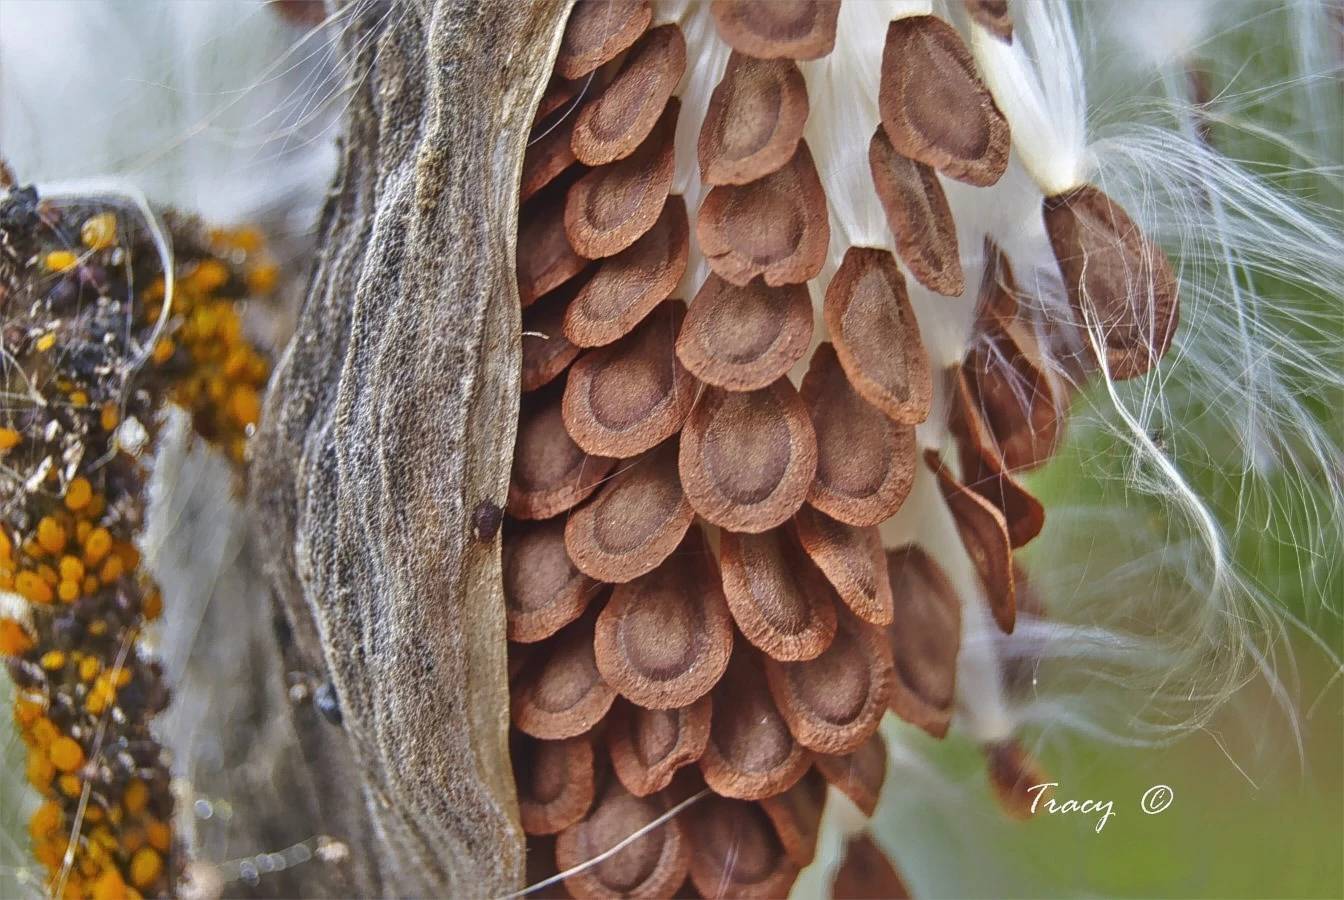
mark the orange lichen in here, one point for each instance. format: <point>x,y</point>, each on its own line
<point>70,535</point>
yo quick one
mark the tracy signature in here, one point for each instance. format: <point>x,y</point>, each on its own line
<point>1154,800</point>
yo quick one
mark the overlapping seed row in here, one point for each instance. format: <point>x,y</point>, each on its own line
<point>91,354</point>
<point>697,590</point>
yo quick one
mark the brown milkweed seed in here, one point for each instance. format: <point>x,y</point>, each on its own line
<point>548,155</point>
<point>992,15</point>
<point>597,32</point>
<point>925,637</point>
<point>865,873</point>
<point>852,560</point>
<point>858,775</point>
<point>629,285</point>
<point>545,258</point>
<point>876,336</point>
<point>651,867</point>
<point>648,746</point>
<point>835,702</point>
<point>546,350</point>
<point>747,459</point>
<point>1117,279</point>
<point>744,338</point>
<point>543,590</point>
<point>934,107</point>
<point>609,209</point>
<point>665,638</point>
<point>984,532</point>
<point>550,472</point>
<point>627,397</point>
<point>796,815</point>
<point>560,94</point>
<point>555,782</point>
<point>754,121</point>
<point>776,227</point>
<point>865,461</point>
<point>920,219</point>
<point>751,754</point>
<point>769,29</point>
<point>735,851</point>
<point>782,603</point>
<point>611,126</point>
<point>983,469</point>
<point>1012,773</point>
<point>560,693</point>
<point>636,520</point>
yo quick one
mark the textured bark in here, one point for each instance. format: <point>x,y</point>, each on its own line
<point>391,417</point>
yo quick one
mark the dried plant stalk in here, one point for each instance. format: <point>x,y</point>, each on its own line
<point>392,418</point>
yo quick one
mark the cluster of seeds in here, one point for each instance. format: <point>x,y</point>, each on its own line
<point>94,345</point>
<point>698,592</point>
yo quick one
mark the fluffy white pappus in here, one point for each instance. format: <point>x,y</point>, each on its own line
<point>1037,81</point>
<point>1158,33</point>
<point>706,59</point>
<point>1235,436</point>
<point>842,117</point>
<point>218,107</point>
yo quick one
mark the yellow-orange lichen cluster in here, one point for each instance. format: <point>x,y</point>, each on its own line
<point>91,366</point>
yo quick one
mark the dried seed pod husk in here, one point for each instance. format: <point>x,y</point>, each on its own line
<point>543,590</point>
<point>651,867</point>
<point>925,638</point>
<point>550,472</point>
<point>934,107</point>
<point>618,120</point>
<point>865,461</point>
<point>984,532</point>
<point>735,851</point>
<point>555,782</point>
<point>754,121</point>
<point>781,602</point>
<point>858,775</point>
<point>747,459</point>
<point>751,753</point>
<point>560,693</point>
<point>744,338</point>
<point>597,32</point>
<point>648,746</point>
<point>852,560</point>
<point>666,637</point>
<point>629,285</point>
<point>1118,281</point>
<point>876,335</point>
<point>796,815</point>
<point>865,873</point>
<point>612,206</point>
<point>630,396</point>
<point>395,406</point>
<point>635,522</point>
<point>834,703</point>
<point>771,29</point>
<point>919,216</point>
<point>776,227</point>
